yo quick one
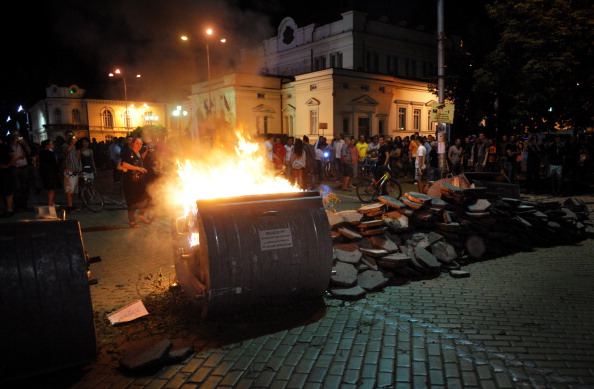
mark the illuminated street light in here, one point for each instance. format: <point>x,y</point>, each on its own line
<point>119,73</point>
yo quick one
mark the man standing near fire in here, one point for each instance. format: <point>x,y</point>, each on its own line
<point>420,163</point>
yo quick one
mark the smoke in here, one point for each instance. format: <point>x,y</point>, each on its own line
<point>144,38</point>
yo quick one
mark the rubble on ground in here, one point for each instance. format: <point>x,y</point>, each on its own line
<point>419,235</point>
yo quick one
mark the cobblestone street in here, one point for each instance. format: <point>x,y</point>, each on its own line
<point>521,321</point>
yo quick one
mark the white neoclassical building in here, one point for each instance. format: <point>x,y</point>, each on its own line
<point>66,109</point>
<point>355,76</point>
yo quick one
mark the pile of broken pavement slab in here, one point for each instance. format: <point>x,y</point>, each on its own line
<point>420,236</point>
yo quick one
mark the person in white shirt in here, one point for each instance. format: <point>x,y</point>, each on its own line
<point>289,146</point>
<point>420,164</point>
<point>269,148</point>
<point>337,146</point>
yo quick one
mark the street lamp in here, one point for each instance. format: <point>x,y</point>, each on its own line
<point>119,73</point>
<point>177,113</point>
<point>209,33</point>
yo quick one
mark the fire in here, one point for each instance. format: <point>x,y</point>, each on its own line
<point>226,175</point>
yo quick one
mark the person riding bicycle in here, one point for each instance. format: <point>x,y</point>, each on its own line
<point>383,158</point>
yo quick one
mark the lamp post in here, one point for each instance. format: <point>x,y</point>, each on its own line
<point>118,72</point>
<point>209,33</point>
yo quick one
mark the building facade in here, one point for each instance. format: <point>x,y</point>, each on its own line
<point>66,109</point>
<point>355,76</point>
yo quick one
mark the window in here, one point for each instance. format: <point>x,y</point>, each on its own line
<point>336,60</point>
<point>416,119</point>
<point>346,128</point>
<point>429,121</point>
<point>313,121</point>
<point>106,119</point>
<point>402,118</point>
<point>261,95</point>
<point>332,60</point>
<point>392,65</point>
<point>365,87</point>
<point>339,60</point>
<point>381,125</point>
<point>262,124</point>
<point>320,63</point>
<point>313,87</point>
<point>57,116</point>
<point>76,118</point>
<point>382,89</point>
<point>410,68</point>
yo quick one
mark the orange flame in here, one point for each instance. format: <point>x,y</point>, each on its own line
<point>244,173</point>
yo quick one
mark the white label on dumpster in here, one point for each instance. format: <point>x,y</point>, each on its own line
<point>276,239</point>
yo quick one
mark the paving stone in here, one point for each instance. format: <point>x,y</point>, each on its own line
<point>481,205</point>
<point>443,251</point>
<point>391,202</point>
<point>343,274</point>
<point>459,274</point>
<point>354,293</point>
<point>180,350</point>
<point>370,262</point>
<point>349,233</point>
<point>412,204</point>
<point>372,232</point>
<point>417,197</point>
<point>382,242</point>
<point>373,252</point>
<point>350,217</point>
<point>371,280</point>
<point>145,354</point>
<point>334,219</point>
<point>395,260</point>
<point>347,252</point>
<point>427,259</point>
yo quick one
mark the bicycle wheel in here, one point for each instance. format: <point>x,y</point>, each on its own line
<point>329,172</point>
<point>92,199</point>
<point>393,188</point>
<point>366,190</point>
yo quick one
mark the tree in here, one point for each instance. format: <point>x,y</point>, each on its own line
<point>540,73</point>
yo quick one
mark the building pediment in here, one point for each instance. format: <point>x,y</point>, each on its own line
<point>288,108</point>
<point>263,108</point>
<point>364,100</point>
<point>312,101</point>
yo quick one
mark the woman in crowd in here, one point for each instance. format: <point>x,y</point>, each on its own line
<point>51,176</point>
<point>298,162</point>
<point>87,159</point>
<point>133,182</point>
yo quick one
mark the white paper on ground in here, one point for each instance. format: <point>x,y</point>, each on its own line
<point>128,313</point>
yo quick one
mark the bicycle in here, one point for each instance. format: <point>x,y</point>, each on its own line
<point>88,195</point>
<point>369,188</point>
<point>327,168</point>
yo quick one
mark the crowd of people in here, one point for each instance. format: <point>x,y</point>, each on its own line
<point>528,159</point>
<point>28,168</point>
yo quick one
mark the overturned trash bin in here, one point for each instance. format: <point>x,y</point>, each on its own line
<point>494,182</point>
<point>46,314</point>
<point>256,251</point>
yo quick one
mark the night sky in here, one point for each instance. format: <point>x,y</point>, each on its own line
<point>66,42</point>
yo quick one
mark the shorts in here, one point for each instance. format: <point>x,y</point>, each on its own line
<point>70,182</point>
<point>418,174</point>
<point>347,169</point>
<point>555,169</point>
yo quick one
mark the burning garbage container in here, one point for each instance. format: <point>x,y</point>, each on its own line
<point>254,251</point>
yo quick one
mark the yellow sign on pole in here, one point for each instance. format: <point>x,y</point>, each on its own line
<point>442,113</point>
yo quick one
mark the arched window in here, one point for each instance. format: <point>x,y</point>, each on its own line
<point>76,117</point>
<point>57,116</point>
<point>107,118</point>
